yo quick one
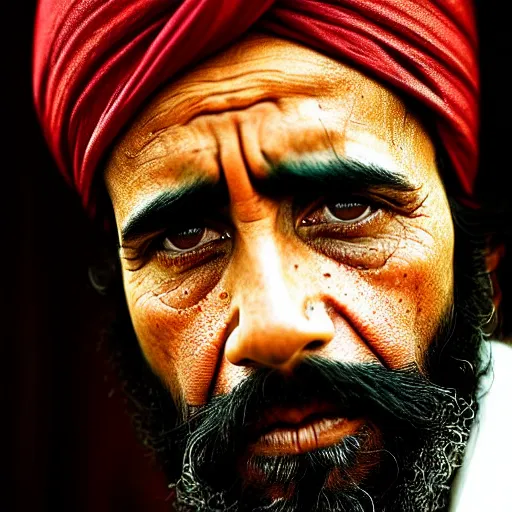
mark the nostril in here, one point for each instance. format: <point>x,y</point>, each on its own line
<point>246,362</point>
<point>314,345</point>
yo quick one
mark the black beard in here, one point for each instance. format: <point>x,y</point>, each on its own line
<point>424,423</point>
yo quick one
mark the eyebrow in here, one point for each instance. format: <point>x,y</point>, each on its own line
<point>294,177</point>
<point>312,175</point>
<point>160,211</point>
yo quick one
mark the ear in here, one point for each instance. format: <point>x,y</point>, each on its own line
<point>495,252</point>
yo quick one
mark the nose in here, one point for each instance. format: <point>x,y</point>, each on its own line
<point>279,322</point>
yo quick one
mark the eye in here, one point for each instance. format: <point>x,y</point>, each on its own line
<point>356,231</point>
<point>338,212</point>
<point>347,212</point>
<point>189,239</point>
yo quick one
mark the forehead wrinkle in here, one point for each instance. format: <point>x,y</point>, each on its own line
<point>312,67</point>
<point>402,130</point>
<point>184,105</point>
<point>172,148</point>
<point>305,74</point>
<point>157,172</point>
<point>171,140</point>
<point>165,141</point>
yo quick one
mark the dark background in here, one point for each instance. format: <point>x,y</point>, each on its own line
<point>68,444</point>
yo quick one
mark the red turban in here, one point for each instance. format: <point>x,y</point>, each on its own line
<point>97,61</point>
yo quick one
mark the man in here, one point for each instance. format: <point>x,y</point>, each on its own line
<point>305,302</point>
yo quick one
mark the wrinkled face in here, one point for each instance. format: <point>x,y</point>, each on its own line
<point>274,204</point>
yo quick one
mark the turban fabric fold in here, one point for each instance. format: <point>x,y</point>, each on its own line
<point>96,62</point>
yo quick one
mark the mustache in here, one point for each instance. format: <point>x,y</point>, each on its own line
<point>403,401</point>
<point>404,396</point>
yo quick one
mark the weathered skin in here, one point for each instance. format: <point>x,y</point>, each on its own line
<point>371,290</point>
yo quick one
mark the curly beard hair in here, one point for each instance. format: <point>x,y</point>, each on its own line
<point>425,423</point>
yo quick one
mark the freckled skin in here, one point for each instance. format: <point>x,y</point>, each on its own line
<point>272,292</point>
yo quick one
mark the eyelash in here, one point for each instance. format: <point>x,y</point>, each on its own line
<point>352,201</point>
<point>344,231</point>
<point>202,255</point>
<point>218,248</point>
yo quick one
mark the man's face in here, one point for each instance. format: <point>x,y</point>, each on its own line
<point>274,204</point>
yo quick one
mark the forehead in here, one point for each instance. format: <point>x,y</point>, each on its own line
<point>284,101</point>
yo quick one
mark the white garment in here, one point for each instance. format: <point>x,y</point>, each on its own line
<point>484,482</point>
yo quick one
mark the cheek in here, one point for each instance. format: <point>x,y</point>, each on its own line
<point>396,309</point>
<point>176,288</point>
<point>414,301</point>
<point>182,346</point>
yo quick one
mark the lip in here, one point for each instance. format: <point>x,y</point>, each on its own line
<point>292,431</point>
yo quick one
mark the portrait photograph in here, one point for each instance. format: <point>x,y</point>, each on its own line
<point>256,256</point>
